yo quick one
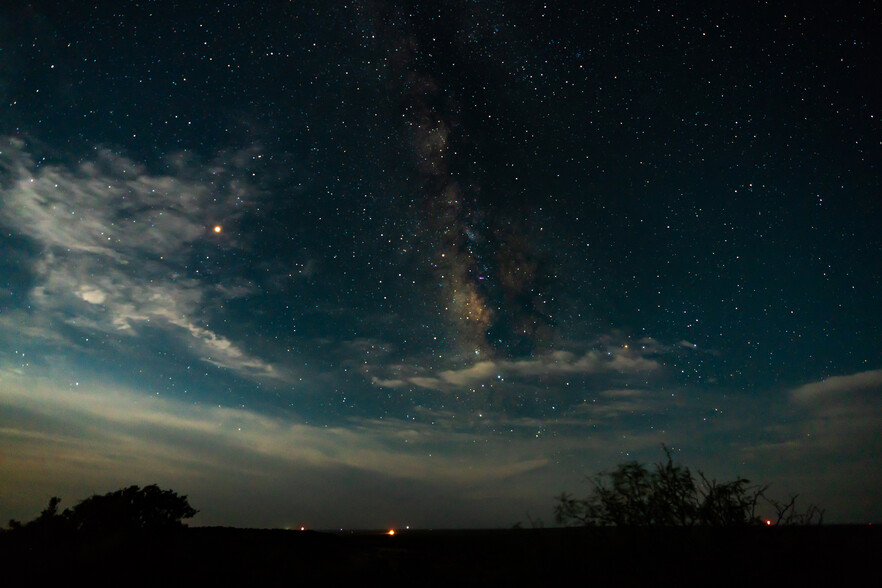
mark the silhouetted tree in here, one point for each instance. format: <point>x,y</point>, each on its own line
<point>128,509</point>
<point>729,503</point>
<point>132,508</point>
<point>788,514</point>
<point>670,495</point>
<point>48,524</point>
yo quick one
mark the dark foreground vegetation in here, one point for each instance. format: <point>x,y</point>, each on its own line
<point>829,555</point>
<point>136,537</point>
<point>669,494</point>
<point>126,510</point>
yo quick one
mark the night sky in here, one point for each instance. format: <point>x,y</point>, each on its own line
<point>381,263</point>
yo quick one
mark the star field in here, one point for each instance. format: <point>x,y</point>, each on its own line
<point>396,263</point>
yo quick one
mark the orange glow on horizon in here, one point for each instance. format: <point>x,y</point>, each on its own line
<point>391,532</point>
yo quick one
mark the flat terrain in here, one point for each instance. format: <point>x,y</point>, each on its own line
<point>206,555</point>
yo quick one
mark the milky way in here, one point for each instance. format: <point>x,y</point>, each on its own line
<point>490,276</point>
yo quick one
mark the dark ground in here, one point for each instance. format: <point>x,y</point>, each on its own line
<point>830,555</point>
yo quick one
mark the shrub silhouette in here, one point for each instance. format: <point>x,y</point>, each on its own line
<point>125,510</point>
<point>132,508</point>
<point>669,495</point>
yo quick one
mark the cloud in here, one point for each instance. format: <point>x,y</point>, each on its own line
<point>613,360</point>
<point>841,413</point>
<point>125,429</point>
<point>73,440</point>
<point>835,418</point>
<point>822,442</point>
<point>839,388</point>
<point>115,248</point>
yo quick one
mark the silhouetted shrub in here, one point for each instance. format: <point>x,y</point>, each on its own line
<point>132,508</point>
<point>670,495</point>
<point>125,510</point>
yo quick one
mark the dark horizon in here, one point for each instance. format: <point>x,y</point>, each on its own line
<point>385,263</point>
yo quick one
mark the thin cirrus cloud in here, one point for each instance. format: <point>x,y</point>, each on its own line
<point>839,388</point>
<point>112,244</point>
<point>825,438</point>
<point>73,441</point>
<point>840,412</point>
<point>838,416</point>
<point>97,423</point>
<point>614,360</point>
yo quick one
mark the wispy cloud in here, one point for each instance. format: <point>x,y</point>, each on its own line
<point>835,418</point>
<point>95,421</point>
<point>613,360</point>
<point>840,388</point>
<point>78,439</point>
<point>822,441</point>
<point>115,247</point>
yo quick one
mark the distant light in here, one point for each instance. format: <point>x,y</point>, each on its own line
<point>391,532</point>
<point>768,522</point>
<point>302,528</point>
<point>217,228</point>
